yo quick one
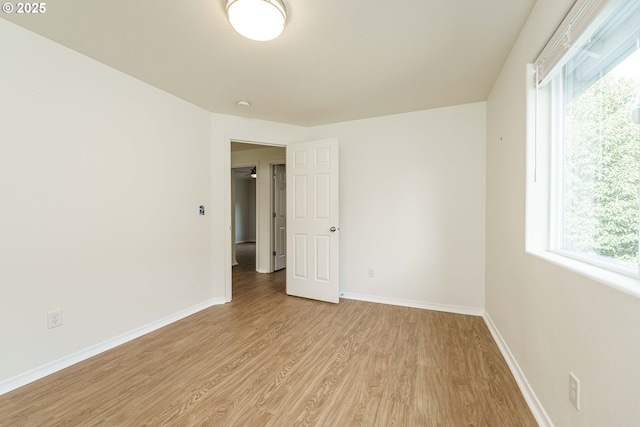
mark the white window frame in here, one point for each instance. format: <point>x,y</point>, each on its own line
<point>544,192</point>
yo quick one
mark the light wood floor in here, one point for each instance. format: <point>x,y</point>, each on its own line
<point>269,359</point>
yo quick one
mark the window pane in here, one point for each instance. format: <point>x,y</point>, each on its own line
<point>602,144</point>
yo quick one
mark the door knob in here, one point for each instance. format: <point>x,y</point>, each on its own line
<point>332,229</point>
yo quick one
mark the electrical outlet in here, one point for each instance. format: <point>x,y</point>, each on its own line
<point>54,318</point>
<point>574,390</point>
<point>372,273</point>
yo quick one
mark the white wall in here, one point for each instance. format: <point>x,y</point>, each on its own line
<point>263,158</point>
<point>101,177</point>
<point>412,207</point>
<point>553,321</point>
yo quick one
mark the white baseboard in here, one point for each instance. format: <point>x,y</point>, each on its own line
<point>530,397</point>
<point>263,271</point>
<point>473,311</point>
<point>65,362</point>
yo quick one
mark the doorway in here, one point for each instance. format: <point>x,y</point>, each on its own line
<point>243,200</point>
<point>254,164</point>
<point>313,208</point>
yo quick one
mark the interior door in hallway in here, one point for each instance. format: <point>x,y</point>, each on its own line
<point>280,216</point>
<point>313,223</point>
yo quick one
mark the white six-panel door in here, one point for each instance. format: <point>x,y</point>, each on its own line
<point>313,222</point>
<point>280,217</point>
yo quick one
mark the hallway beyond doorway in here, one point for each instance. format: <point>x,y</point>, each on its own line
<point>247,283</point>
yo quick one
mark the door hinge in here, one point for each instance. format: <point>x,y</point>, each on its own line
<point>274,253</point>
<point>274,214</point>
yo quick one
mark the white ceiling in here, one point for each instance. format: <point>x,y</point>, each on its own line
<point>336,60</point>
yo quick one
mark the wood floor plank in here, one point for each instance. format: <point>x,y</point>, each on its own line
<point>268,359</point>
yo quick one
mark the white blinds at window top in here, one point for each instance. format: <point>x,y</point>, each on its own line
<point>574,31</point>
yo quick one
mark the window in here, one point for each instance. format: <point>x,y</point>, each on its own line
<point>588,96</point>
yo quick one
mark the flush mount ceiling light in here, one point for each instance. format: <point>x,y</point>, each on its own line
<point>259,20</point>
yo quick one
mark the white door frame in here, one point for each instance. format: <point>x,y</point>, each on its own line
<point>228,255</point>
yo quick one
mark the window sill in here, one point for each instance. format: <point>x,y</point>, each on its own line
<point>617,281</point>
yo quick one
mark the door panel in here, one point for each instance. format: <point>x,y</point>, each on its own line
<point>313,221</point>
<point>300,256</point>
<point>300,199</point>
<point>323,255</point>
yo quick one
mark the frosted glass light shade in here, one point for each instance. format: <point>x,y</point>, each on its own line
<point>259,20</point>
